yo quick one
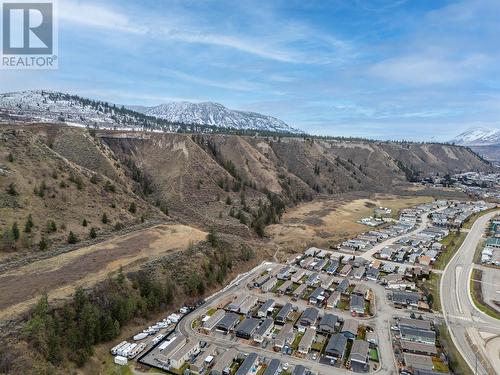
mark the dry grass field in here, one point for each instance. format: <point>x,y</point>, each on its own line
<point>326,222</point>
<point>60,275</point>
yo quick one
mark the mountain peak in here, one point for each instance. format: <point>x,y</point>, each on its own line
<point>52,106</point>
<point>216,114</point>
<point>478,136</point>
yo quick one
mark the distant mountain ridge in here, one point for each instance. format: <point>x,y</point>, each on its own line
<point>478,137</point>
<point>50,106</point>
<point>210,113</point>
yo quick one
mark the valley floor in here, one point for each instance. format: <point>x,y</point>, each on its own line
<point>327,222</point>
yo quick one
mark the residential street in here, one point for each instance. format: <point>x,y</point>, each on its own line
<point>459,310</point>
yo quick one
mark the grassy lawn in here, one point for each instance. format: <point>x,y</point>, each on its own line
<point>343,303</point>
<point>477,295</point>
<point>451,243</point>
<point>470,221</point>
<point>211,311</point>
<point>295,343</point>
<point>457,363</point>
<point>374,355</point>
<point>277,286</point>
<point>439,365</point>
<point>431,285</point>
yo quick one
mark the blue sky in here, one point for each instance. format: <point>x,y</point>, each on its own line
<point>421,69</point>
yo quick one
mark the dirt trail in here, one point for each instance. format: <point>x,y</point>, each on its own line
<point>20,288</point>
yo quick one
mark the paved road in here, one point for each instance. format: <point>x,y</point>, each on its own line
<point>462,317</point>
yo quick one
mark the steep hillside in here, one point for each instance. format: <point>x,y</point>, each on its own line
<point>235,184</point>
<point>44,196</point>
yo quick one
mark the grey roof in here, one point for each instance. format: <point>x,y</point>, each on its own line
<point>284,312</point>
<point>267,305</point>
<point>342,287</point>
<point>334,265</point>
<point>247,326</point>
<point>415,323</point>
<point>351,326</point>
<point>317,293</point>
<point>329,320</point>
<point>336,345</point>
<point>299,370</point>
<point>229,320</point>
<point>357,302</point>
<point>224,361</point>
<point>359,350</point>
<point>264,327</point>
<point>310,315</point>
<point>247,364</point>
<point>273,367</point>
<point>406,331</point>
<point>405,297</point>
<point>372,273</point>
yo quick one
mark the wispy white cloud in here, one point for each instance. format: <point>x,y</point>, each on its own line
<point>422,70</point>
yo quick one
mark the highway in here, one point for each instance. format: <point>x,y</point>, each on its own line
<point>463,319</point>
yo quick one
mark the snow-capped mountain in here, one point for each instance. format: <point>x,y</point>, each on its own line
<point>208,113</point>
<point>49,106</point>
<point>477,137</point>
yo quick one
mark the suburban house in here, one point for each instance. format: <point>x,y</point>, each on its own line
<point>359,273</point>
<point>273,368</point>
<point>250,361</point>
<point>228,322</point>
<point>418,335</point>
<point>372,274</point>
<point>418,348</point>
<point>316,296</point>
<point>246,328</point>
<point>313,279</point>
<point>204,360</point>
<point>284,273</point>
<point>359,355</point>
<point>180,357</point>
<point>328,323</point>
<point>417,361</point>
<point>357,304</point>
<point>336,346</point>
<point>297,276</point>
<point>346,270</point>
<point>285,336</point>
<point>235,305</point>
<point>223,364</point>
<point>299,370</point>
<point>269,284</point>
<point>307,340</point>
<point>264,329</point>
<point>332,267</point>
<point>333,300</point>
<point>309,317</point>
<point>213,320</point>
<point>415,323</point>
<point>266,308</point>
<point>285,287</point>
<point>297,293</point>
<point>259,281</point>
<point>248,305</point>
<point>343,286</point>
<point>350,328</point>
<point>284,313</point>
<point>406,299</point>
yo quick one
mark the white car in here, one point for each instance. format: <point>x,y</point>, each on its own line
<point>314,356</point>
<point>285,366</point>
